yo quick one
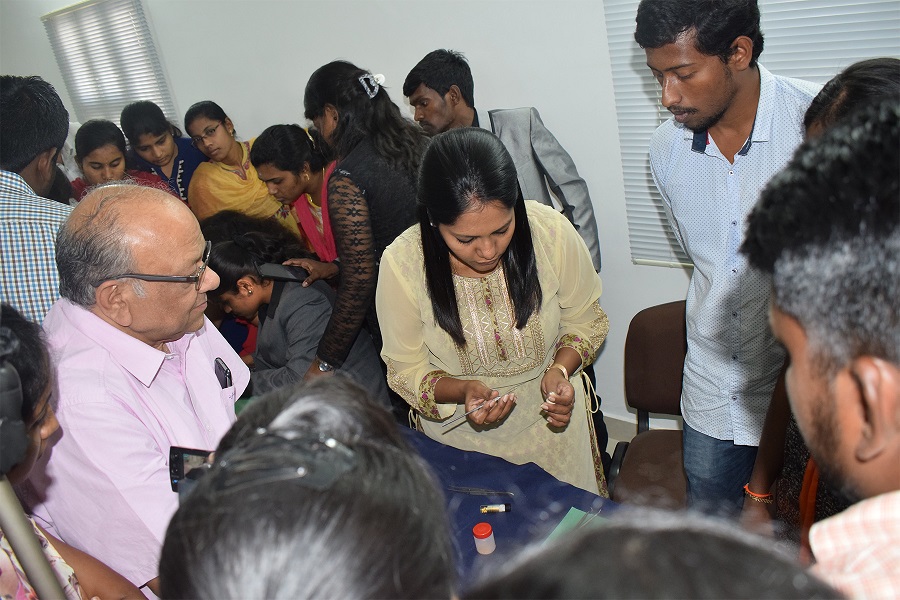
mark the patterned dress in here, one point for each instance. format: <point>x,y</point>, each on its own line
<point>14,585</point>
<point>418,353</point>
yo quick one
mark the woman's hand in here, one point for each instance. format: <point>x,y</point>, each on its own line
<point>496,407</point>
<point>314,372</point>
<point>559,397</point>
<point>316,269</point>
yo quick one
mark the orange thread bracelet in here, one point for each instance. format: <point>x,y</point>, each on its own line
<point>764,498</point>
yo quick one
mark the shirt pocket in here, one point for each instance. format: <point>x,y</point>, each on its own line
<point>228,396</point>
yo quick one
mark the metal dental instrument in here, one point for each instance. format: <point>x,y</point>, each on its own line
<point>480,406</point>
<point>461,417</point>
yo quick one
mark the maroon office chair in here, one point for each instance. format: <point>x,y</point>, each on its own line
<point>649,470</point>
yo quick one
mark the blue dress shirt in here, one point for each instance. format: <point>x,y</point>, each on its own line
<point>733,359</point>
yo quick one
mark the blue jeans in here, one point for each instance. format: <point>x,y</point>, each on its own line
<point>716,472</point>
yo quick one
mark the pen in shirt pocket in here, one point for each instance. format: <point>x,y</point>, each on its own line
<point>223,373</point>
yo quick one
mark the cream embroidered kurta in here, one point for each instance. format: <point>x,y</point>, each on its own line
<point>418,352</point>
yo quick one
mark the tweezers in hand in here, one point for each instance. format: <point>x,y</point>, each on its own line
<point>461,417</point>
<point>480,406</point>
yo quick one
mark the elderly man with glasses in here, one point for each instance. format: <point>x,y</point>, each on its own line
<point>140,369</point>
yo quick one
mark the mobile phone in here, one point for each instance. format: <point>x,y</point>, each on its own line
<point>223,373</point>
<point>282,272</point>
<point>186,466</point>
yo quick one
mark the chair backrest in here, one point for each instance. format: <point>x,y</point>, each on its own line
<point>654,359</point>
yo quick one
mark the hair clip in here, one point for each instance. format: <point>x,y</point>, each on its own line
<point>371,83</point>
<point>312,142</point>
<point>316,462</point>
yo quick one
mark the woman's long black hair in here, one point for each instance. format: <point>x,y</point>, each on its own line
<point>462,169</point>
<point>398,141</point>
<point>289,147</point>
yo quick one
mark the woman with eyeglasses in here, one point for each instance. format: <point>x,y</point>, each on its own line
<point>371,193</point>
<point>229,180</point>
<point>101,155</point>
<point>159,147</point>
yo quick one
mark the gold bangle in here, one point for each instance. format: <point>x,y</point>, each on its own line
<point>760,500</point>
<point>556,365</point>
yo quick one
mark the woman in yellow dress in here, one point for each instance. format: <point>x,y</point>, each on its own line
<point>491,303</point>
<point>228,181</point>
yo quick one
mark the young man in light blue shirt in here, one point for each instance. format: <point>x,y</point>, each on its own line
<point>734,125</point>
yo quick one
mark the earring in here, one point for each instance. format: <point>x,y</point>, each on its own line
<point>249,291</point>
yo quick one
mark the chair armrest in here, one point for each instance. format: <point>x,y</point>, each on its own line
<point>616,465</point>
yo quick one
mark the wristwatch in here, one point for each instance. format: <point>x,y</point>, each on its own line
<point>325,367</point>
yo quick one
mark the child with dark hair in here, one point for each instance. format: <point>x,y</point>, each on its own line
<point>100,152</point>
<point>291,317</point>
<point>159,146</point>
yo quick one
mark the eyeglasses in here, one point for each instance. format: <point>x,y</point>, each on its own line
<point>196,279</point>
<point>207,133</point>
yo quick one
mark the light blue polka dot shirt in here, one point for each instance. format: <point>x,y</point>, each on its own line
<point>733,359</point>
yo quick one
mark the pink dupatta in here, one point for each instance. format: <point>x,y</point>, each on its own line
<point>322,243</point>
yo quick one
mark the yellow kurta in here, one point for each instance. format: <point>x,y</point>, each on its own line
<point>418,352</point>
<point>216,187</point>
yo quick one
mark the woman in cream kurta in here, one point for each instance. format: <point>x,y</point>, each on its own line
<point>418,352</point>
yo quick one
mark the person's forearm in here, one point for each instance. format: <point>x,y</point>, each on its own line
<point>568,358</point>
<point>450,390</point>
<point>770,456</point>
<point>355,244</point>
<point>351,305</point>
<point>95,578</point>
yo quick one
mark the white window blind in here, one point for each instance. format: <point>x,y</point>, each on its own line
<point>107,57</point>
<point>806,39</point>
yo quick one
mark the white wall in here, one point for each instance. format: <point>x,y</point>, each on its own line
<point>253,57</point>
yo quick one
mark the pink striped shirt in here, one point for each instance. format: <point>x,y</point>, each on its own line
<point>858,551</point>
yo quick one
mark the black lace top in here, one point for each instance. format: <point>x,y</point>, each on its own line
<point>369,203</point>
